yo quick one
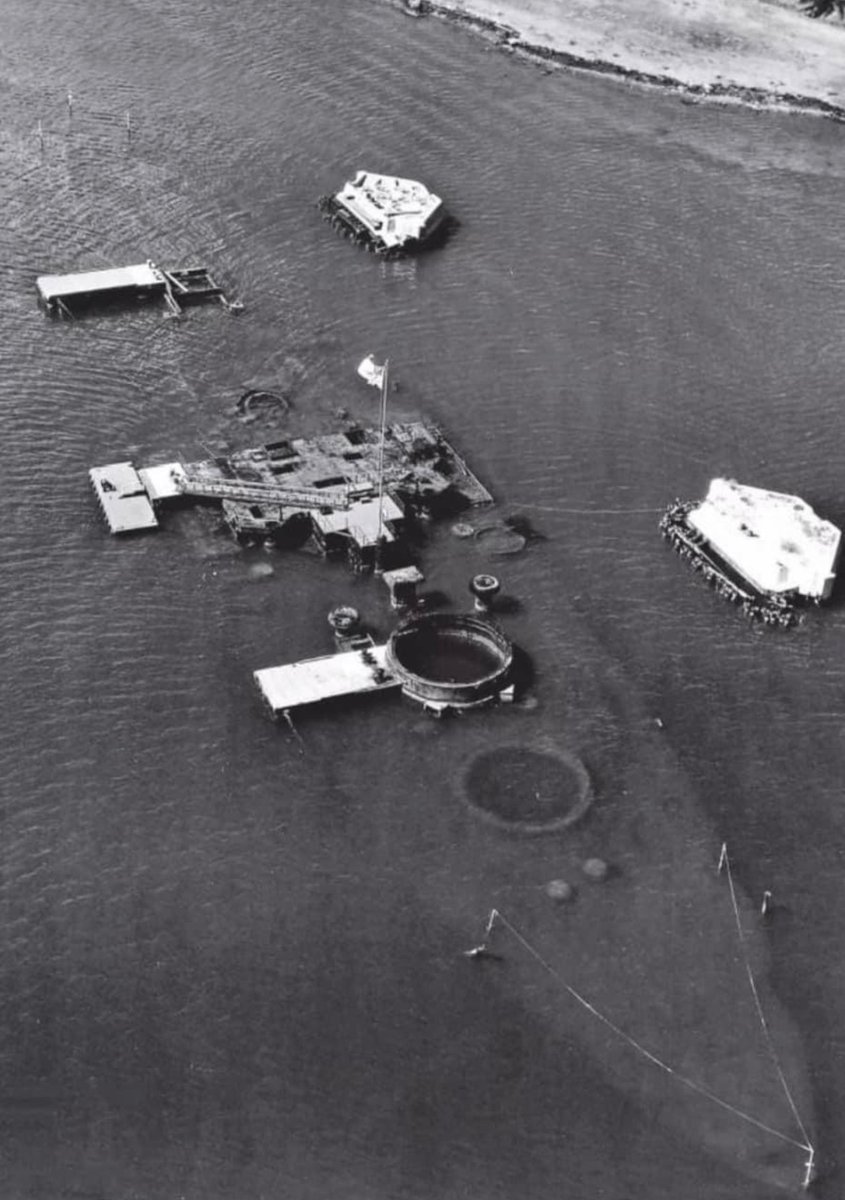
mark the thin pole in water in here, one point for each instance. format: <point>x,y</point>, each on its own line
<point>41,134</point>
<point>70,103</point>
<point>809,1168</point>
<point>128,126</point>
<point>293,729</point>
<point>381,463</point>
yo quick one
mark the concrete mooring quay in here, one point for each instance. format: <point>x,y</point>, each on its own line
<point>354,493</point>
<point>67,295</point>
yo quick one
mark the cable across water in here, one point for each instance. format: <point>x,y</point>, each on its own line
<point>496,915</point>
<point>724,859</point>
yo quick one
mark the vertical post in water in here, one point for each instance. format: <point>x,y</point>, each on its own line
<point>381,465</point>
<point>128,127</point>
<point>809,1168</point>
<point>40,135</point>
<point>70,103</point>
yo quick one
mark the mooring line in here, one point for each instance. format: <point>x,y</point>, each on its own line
<point>658,1062</point>
<point>594,512</point>
<point>725,859</point>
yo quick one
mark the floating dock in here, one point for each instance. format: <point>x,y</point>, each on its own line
<point>351,492</point>
<point>67,295</point>
<point>123,498</point>
<point>352,672</point>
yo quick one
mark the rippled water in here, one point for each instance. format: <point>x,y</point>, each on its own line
<point>228,955</point>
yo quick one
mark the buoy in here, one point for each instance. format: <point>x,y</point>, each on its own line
<point>261,570</point>
<point>463,530</point>
<point>559,890</point>
<point>596,869</point>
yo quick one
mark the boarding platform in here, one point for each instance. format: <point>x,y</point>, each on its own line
<point>313,680</point>
<point>123,498</point>
<point>68,295</point>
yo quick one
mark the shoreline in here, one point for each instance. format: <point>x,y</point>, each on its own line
<point>726,57</point>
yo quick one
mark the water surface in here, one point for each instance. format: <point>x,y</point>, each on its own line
<point>228,957</point>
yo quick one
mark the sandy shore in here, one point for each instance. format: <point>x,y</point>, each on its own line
<point>756,51</point>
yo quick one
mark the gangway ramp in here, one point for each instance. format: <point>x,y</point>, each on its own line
<point>249,492</point>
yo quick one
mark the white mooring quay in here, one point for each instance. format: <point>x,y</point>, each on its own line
<point>352,672</point>
<point>123,498</point>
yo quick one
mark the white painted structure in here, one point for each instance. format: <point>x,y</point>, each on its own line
<point>164,482</point>
<point>394,211</point>
<point>137,278</point>
<point>360,521</point>
<point>773,540</point>
<point>123,498</point>
<point>315,679</point>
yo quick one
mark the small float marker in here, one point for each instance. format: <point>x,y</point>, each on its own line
<point>482,952</point>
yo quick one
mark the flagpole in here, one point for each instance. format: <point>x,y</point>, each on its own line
<point>381,464</point>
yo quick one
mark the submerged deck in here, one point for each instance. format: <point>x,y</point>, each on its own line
<point>353,672</point>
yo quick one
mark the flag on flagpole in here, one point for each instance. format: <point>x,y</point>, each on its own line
<point>370,371</point>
